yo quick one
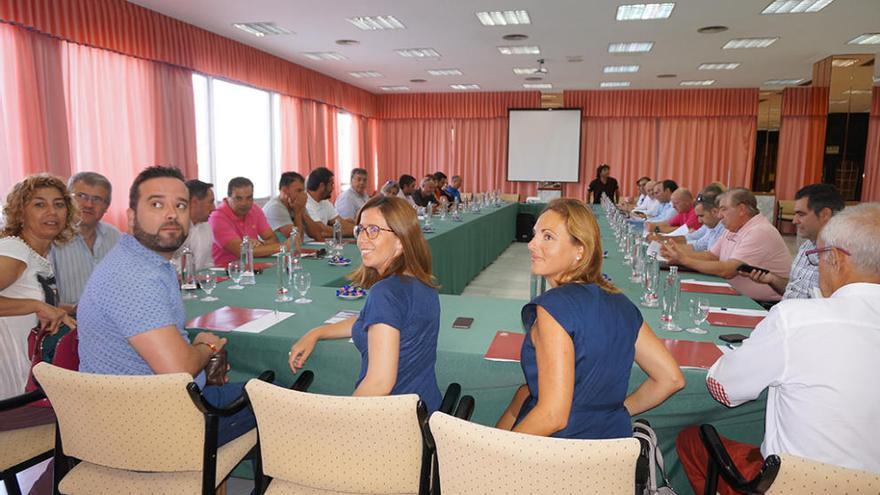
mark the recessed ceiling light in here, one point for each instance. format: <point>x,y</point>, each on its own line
<point>324,56</point>
<point>617,69</point>
<point>795,6</point>
<point>534,79</point>
<point>644,11</point>
<point>519,50</point>
<point>418,52</point>
<point>514,37</point>
<point>444,72</point>
<point>365,74</point>
<point>348,42</point>
<point>631,47</point>
<point>418,81</point>
<point>538,86</point>
<point>706,82</point>
<point>844,62</point>
<point>376,23</point>
<point>712,29</point>
<point>666,76</point>
<point>749,43</point>
<point>866,39</point>
<point>394,88</point>
<point>504,17</point>
<point>783,82</point>
<point>464,87</point>
<point>719,66</point>
<point>614,84</point>
<point>260,29</point>
<point>524,71</point>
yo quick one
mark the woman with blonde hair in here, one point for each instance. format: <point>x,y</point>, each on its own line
<point>39,211</point>
<point>582,337</point>
<point>396,331</point>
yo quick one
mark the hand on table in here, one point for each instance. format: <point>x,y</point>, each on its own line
<point>672,252</point>
<point>300,352</point>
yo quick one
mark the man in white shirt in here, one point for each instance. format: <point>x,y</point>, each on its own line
<point>407,185</point>
<point>319,189</point>
<point>663,194</point>
<point>200,238</point>
<point>351,200</point>
<point>629,204</point>
<point>288,210</point>
<point>818,359</point>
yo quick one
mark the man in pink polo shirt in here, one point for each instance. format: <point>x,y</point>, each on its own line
<point>237,217</point>
<point>683,202</point>
<point>750,239</point>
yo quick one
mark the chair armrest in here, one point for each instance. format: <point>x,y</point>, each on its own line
<point>21,400</point>
<point>728,470</point>
<point>465,408</point>
<point>304,381</point>
<point>195,393</point>
<point>453,391</point>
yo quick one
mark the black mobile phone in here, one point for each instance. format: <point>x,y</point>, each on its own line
<point>733,338</point>
<point>462,322</point>
<point>744,268</point>
<point>320,253</point>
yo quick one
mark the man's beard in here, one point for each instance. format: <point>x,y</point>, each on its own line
<point>155,242</point>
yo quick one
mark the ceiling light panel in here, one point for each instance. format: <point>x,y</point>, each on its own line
<point>719,66</point>
<point>706,82</point>
<point>464,87</point>
<point>376,23</point>
<point>394,88</point>
<point>866,39</point>
<point>644,11</point>
<point>444,72</point>
<point>844,62</point>
<point>525,71</point>
<point>260,29</point>
<point>324,56</point>
<point>795,6</point>
<point>749,43</point>
<point>614,84</point>
<point>631,47</point>
<point>504,17</point>
<point>519,50</point>
<point>418,52</point>
<point>783,82</point>
<point>620,69</point>
<point>538,86</point>
<point>365,74</point>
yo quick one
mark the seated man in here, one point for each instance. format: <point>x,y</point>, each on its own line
<point>712,228</point>
<point>453,189</point>
<point>74,261</point>
<point>650,203</point>
<point>351,200</point>
<point>425,193</point>
<point>814,205</point>
<point>440,193</point>
<point>817,358</point>
<point>663,194</point>
<point>407,184</point>
<point>288,210</point>
<point>236,218</point>
<point>319,189</point>
<point>131,316</point>
<point>750,239</point>
<point>683,203</point>
<point>200,239</point>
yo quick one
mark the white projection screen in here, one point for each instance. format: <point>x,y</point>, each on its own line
<point>544,145</point>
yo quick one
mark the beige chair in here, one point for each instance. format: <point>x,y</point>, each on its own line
<point>320,444</point>
<point>27,446</point>
<point>784,212</point>
<point>477,459</point>
<point>799,476</point>
<point>137,434</point>
<point>510,197</point>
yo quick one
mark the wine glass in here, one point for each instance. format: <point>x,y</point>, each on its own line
<point>302,280</point>
<point>234,270</point>
<point>207,282</point>
<point>699,312</point>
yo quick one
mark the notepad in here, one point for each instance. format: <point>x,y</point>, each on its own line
<point>505,347</point>
<point>691,285</point>
<point>736,317</point>
<point>690,354</point>
<point>231,319</point>
<point>341,315</point>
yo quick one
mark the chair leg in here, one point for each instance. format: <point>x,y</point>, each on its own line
<point>10,482</point>
<point>221,490</point>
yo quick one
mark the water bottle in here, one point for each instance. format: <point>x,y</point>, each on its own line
<point>282,294</point>
<point>187,273</point>
<point>247,262</point>
<point>669,306</point>
<point>652,275</point>
<point>638,263</point>
<point>337,239</point>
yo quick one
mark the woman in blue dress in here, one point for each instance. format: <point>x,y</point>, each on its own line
<point>396,331</point>
<point>582,337</point>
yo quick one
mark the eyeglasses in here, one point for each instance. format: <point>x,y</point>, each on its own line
<point>86,198</point>
<point>813,254</point>
<point>371,230</point>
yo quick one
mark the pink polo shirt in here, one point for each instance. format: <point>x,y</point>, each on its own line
<point>688,218</point>
<point>759,244</point>
<point>227,226</point>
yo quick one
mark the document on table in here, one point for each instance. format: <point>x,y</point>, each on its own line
<point>341,315</point>
<point>682,230</point>
<point>263,322</point>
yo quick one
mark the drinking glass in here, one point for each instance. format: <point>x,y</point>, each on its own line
<point>207,282</point>
<point>282,292</point>
<point>650,298</point>
<point>302,280</point>
<point>234,270</point>
<point>699,312</point>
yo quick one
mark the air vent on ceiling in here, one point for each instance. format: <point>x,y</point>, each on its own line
<point>712,29</point>
<point>666,76</point>
<point>260,29</point>
<point>515,37</point>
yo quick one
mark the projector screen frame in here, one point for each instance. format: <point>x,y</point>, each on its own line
<point>580,140</point>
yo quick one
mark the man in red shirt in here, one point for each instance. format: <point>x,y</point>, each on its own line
<point>237,217</point>
<point>683,202</point>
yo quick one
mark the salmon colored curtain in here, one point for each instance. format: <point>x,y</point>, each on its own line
<point>737,102</point>
<point>801,139</point>
<point>871,188</point>
<point>695,151</point>
<point>454,105</point>
<point>414,147</point>
<point>308,136</point>
<point>365,147</point>
<point>480,157</point>
<point>628,145</point>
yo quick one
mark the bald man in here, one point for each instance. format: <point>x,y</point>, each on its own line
<point>683,202</point>
<point>650,203</point>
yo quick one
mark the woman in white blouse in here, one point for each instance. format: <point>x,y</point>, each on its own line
<point>39,211</point>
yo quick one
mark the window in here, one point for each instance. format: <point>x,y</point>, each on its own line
<point>345,147</point>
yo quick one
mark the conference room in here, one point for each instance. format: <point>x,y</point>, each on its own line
<point>339,247</point>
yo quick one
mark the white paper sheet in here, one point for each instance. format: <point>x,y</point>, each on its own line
<point>739,311</point>
<point>263,322</point>
<point>704,282</point>
<point>678,232</point>
<point>341,315</point>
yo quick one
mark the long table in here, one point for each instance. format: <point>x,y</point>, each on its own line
<point>461,251</point>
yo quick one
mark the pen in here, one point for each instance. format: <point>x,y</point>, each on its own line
<point>731,347</point>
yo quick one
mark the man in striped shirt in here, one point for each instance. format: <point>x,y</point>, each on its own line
<point>73,262</point>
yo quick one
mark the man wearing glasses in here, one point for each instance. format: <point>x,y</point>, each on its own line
<point>74,261</point>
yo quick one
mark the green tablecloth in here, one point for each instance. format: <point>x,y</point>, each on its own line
<point>459,353</point>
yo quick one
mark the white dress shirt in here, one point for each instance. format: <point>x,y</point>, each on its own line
<point>320,211</point>
<point>818,357</point>
<point>350,202</point>
<point>199,242</point>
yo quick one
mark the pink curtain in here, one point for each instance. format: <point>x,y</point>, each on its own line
<point>415,147</point>
<point>628,145</point>
<point>364,133</point>
<point>871,187</point>
<point>480,157</point>
<point>801,139</point>
<point>308,136</point>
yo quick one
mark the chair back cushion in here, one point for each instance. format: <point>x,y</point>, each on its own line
<point>799,476</point>
<point>479,459</point>
<point>138,423</point>
<point>345,444</point>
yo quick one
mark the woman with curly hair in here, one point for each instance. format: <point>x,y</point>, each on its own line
<point>39,211</point>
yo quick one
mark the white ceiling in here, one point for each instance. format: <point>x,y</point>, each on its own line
<point>561,28</point>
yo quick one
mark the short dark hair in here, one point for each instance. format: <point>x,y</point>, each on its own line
<point>197,188</point>
<point>708,197</point>
<point>406,180</point>
<point>821,196</point>
<point>154,172</point>
<point>288,178</point>
<point>438,176</point>
<point>600,168</point>
<point>237,182</point>
<point>321,175</point>
<point>644,178</point>
<point>670,184</point>
<point>358,171</point>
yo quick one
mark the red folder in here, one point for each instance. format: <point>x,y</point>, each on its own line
<point>725,319</point>
<point>708,289</point>
<point>690,354</point>
<point>226,319</point>
<point>505,347</point>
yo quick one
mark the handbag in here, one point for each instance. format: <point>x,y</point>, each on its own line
<point>650,461</point>
<point>59,349</point>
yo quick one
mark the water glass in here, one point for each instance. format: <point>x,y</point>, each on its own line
<point>699,312</point>
<point>302,280</point>
<point>234,270</point>
<point>282,293</point>
<point>650,298</point>
<point>208,283</point>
